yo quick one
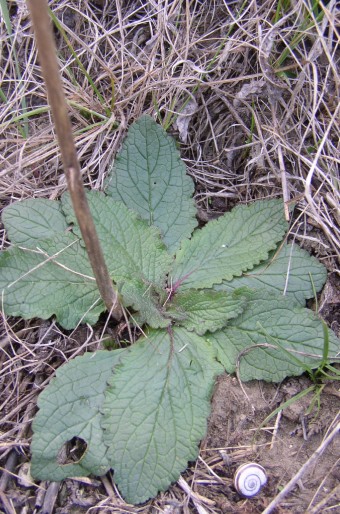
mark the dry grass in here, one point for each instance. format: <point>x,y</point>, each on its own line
<point>259,85</point>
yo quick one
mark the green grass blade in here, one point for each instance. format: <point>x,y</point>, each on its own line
<point>283,406</point>
<point>3,97</point>
<point>5,14</point>
<point>305,26</point>
<point>80,64</point>
<point>40,110</point>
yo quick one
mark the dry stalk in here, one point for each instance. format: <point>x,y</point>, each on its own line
<point>47,54</point>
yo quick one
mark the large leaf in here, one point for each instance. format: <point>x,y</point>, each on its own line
<point>70,407</point>
<point>226,247</point>
<point>155,410</point>
<point>290,271</point>
<point>56,279</point>
<point>149,177</point>
<point>269,319</point>
<point>131,248</point>
<point>29,221</point>
<point>206,310</point>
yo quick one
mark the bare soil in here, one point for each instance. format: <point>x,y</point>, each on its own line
<point>233,430</point>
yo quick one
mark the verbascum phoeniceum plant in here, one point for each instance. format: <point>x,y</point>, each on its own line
<point>231,293</point>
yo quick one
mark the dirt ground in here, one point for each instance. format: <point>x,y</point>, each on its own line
<point>251,93</point>
<point>233,424</point>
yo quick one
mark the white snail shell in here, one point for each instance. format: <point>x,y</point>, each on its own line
<point>249,479</point>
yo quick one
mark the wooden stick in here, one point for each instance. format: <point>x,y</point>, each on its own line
<point>50,70</point>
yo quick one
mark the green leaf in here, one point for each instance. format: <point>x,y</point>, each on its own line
<point>29,221</point>
<point>131,248</point>
<point>56,279</point>
<point>155,410</point>
<point>70,407</point>
<point>226,247</point>
<point>290,271</point>
<point>150,178</point>
<point>134,253</point>
<point>206,310</point>
<point>146,302</point>
<point>277,321</point>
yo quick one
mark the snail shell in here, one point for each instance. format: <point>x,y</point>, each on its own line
<point>249,479</point>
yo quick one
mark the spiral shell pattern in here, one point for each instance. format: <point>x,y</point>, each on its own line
<point>249,479</point>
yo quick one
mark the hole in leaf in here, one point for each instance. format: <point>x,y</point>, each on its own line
<point>72,451</point>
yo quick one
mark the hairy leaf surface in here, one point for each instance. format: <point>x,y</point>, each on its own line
<point>155,410</point>
<point>56,279</point>
<point>149,177</point>
<point>226,247</point>
<point>290,271</point>
<point>277,321</point>
<point>29,221</point>
<point>146,302</point>
<point>206,310</point>
<point>131,248</point>
<point>70,407</point>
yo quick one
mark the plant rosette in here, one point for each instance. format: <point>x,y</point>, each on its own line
<point>208,299</point>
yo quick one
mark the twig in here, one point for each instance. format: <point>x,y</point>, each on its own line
<point>318,508</point>
<point>108,487</point>
<point>11,462</point>
<point>196,498</point>
<point>291,484</point>
<point>7,505</point>
<point>50,496</point>
<point>49,65</point>
<point>276,428</point>
<point>284,183</point>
